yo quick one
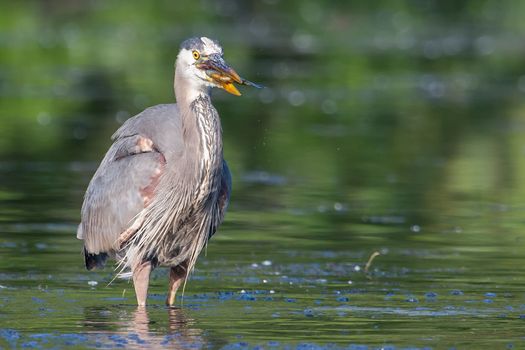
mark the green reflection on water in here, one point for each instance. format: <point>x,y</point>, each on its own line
<point>391,127</point>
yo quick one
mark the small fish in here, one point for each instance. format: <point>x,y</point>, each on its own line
<point>249,83</point>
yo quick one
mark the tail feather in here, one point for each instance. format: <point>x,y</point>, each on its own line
<point>94,260</point>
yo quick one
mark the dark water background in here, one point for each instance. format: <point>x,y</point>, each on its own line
<point>395,127</point>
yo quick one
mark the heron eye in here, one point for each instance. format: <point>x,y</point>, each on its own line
<point>196,54</point>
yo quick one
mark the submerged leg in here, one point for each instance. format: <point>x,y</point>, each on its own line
<point>177,275</point>
<point>141,282</point>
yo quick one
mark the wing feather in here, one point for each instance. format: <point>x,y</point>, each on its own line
<point>125,181</point>
<point>119,190</point>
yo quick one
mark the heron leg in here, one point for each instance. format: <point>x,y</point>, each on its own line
<point>127,234</point>
<point>177,275</point>
<point>141,282</point>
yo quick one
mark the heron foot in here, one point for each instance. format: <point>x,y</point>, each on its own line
<point>141,282</point>
<point>177,275</point>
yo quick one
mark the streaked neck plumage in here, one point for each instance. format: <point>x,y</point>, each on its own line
<point>202,133</point>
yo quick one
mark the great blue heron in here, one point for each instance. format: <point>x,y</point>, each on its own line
<point>163,187</point>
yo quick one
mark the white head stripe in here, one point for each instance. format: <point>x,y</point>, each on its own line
<point>211,44</point>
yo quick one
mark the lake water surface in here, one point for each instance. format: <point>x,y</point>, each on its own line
<point>382,128</point>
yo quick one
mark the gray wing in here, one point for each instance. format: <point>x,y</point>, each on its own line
<point>125,181</point>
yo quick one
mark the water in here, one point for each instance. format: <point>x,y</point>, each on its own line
<point>383,128</point>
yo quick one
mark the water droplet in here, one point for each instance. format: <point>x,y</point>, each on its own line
<point>415,228</point>
<point>93,283</point>
<point>329,106</point>
<point>322,208</point>
<point>296,98</point>
<point>43,118</point>
<point>303,42</point>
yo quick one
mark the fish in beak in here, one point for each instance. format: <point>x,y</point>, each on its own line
<point>222,75</point>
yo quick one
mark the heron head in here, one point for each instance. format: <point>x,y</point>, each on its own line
<point>201,60</point>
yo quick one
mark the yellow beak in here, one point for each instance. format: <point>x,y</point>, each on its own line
<point>225,81</point>
<point>221,74</point>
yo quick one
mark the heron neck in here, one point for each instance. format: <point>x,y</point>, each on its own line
<point>202,136</point>
<point>187,89</point>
